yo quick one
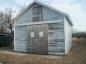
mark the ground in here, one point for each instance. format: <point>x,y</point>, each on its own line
<point>77,55</point>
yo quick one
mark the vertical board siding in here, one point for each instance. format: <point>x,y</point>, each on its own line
<point>37,44</point>
<point>20,39</point>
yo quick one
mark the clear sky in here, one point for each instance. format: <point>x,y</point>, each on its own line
<point>75,8</point>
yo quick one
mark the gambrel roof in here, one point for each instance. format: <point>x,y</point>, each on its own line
<point>40,3</point>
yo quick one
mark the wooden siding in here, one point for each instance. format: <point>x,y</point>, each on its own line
<point>54,38</point>
<point>38,44</point>
<point>25,18</point>
<point>56,42</point>
<point>20,43</point>
<point>57,35</point>
<point>36,13</point>
<point>47,15</point>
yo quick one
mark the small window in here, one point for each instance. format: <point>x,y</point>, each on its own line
<point>40,34</point>
<point>32,34</point>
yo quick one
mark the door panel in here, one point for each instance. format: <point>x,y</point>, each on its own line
<point>38,39</point>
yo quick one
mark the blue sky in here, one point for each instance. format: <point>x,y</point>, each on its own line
<point>75,8</point>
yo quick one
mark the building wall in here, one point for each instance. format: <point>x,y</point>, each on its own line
<point>20,39</point>
<point>21,33</point>
<point>25,18</point>
<point>56,44</point>
<point>47,13</point>
<point>68,36</point>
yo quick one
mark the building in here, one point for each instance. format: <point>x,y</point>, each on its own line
<point>42,29</point>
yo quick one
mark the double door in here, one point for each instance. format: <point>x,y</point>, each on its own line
<point>38,39</point>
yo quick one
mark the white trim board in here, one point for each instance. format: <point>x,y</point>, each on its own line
<point>41,22</point>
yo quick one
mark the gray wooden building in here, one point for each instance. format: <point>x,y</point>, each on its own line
<point>42,29</point>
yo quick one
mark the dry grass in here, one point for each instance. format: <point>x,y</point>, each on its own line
<point>77,55</point>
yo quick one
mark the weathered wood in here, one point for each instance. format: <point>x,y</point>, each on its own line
<point>38,44</point>
<point>50,35</point>
<point>20,38</point>
<point>56,38</point>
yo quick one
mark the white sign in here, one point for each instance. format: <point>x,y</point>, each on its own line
<point>32,34</point>
<point>40,34</point>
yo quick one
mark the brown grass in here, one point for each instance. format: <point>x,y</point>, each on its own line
<point>77,55</point>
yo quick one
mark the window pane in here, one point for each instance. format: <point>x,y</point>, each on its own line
<point>32,34</point>
<point>40,34</point>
